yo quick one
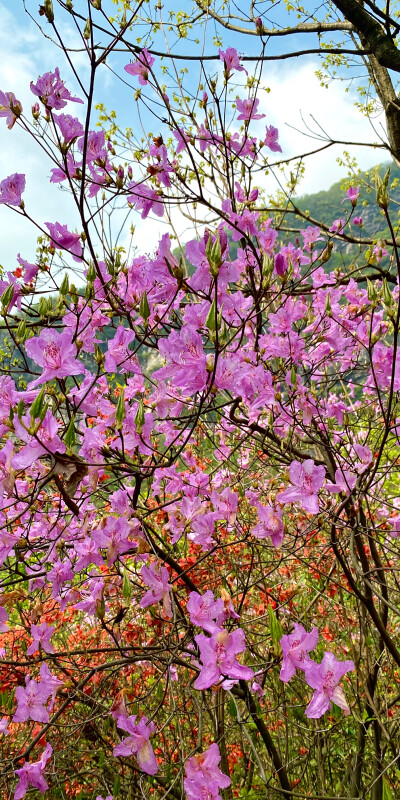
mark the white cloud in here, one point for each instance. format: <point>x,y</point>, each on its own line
<point>296,98</point>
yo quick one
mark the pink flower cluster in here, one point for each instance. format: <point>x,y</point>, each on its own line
<point>323,678</point>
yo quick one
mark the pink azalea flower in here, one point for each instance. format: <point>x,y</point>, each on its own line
<point>11,189</point>
<point>4,726</point>
<point>70,127</point>
<point>46,441</point>
<point>231,60</point>
<point>160,589</point>
<point>203,778</point>
<point>138,742</point>
<point>338,225</point>
<point>10,108</point>
<point>95,146</point>
<point>88,553</point>
<point>218,656</point>
<point>310,234</point>
<point>145,199</point>
<point>114,537</point>
<point>324,678</point>
<point>6,473</point>
<point>271,139</point>
<point>394,523</point>
<point>51,90</point>
<point>41,636</point>
<point>55,353</point>
<point>3,620</point>
<point>118,355</point>
<point>31,700</point>
<point>141,67</point>
<point>345,481</point>
<point>307,479</point>
<point>270,525</point>
<point>358,221</point>
<point>31,775</point>
<point>182,139</point>
<point>205,610</point>
<point>352,195</point>
<point>280,264</point>
<point>187,367</point>
<point>59,175</point>
<point>248,109</point>
<point>295,648</point>
<point>30,270</point>
<point>364,454</point>
<point>379,252</point>
<point>63,239</point>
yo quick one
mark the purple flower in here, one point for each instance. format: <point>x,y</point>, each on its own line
<point>352,195</point>
<point>345,481</point>
<point>310,235</point>
<point>11,189</point>
<point>95,146</point>
<point>138,742</point>
<point>30,270</point>
<point>46,441</point>
<point>231,60</point>
<point>203,778</point>
<point>280,264</point>
<point>338,225</point>
<point>270,525</point>
<point>6,472</point>
<point>3,620</point>
<point>358,222</point>
<point>248,109</point>
<point>10,108</point>
<point>187,367</point>
<point>145,199</point>
<point>364,454</point>
<point>307,479</point>
<point>218,656</point>
<point>55,353</point>
<point>160,589</point>
<point>271,139</point>
<point>295,648</point>
<point>41,637</point>
<point>114,537</point>
<point>31,700</point>
<point>324,678</point>
<point>394,523</point>
<point>63,238</point>
<point>182,139</point>
<point>205,610</point>
<point>52,91</point>
<point>31,775</point>
<point>118,355</point>
<point>141,67</point>
<point>70,127</point>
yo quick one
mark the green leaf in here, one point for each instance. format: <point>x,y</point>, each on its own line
<point>144,308</point>
<point>276,631</point>
<point>232,708</point>
<point>69,438</point>
<point>387,793</point>
<point>127,589</point>
<point>120,411</point>
<point>37,405</point>
<point>7,297</point>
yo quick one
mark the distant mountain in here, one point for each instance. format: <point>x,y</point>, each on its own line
<point>327,205</point>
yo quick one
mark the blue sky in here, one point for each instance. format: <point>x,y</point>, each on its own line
<point>294,94</point>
